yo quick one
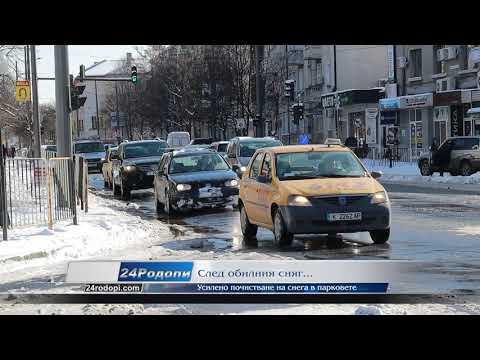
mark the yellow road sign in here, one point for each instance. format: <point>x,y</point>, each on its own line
<point>22,91</point>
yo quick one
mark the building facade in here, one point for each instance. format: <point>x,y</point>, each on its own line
<point>437,85</point>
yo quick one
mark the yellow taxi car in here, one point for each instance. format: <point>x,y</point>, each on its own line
<point>312,189</point>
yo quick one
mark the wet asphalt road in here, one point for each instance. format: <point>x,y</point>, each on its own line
<point>441,227</point>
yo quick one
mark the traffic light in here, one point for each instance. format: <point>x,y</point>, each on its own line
<point>77,87</point>
<point>82,72</point>
<point>134,74</point>
<point>290,89</point>
<point>297,113</point>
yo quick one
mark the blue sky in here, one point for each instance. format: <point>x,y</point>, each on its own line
<point>78,54</point>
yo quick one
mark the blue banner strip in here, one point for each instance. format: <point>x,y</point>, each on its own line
<point>311,288</point>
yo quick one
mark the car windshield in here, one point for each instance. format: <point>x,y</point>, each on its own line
<point>197,162</point>
<point>90,147</point>
<point>153,148</point>
<point>318,164</point>
<point>247,149</point>
<point>222,147</point>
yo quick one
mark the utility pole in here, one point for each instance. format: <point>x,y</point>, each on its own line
<point>62,102</point>
<point>96,104</point>
<point>288,99</point>
<point>36,118</point>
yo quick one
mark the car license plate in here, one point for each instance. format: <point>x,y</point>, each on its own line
<point>208,192</point>
<point>344,216</point>
<point>150,173</point>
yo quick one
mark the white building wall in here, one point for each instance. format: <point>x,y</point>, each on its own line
<point>361,66</point>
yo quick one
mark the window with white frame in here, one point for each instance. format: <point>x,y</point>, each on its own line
<point>319,71</point>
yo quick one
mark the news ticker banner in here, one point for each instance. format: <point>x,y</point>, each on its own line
<point>244,276</point>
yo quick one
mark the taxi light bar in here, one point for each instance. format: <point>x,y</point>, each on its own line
<point>332,141</point>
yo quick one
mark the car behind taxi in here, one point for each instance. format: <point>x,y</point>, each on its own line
<point>312,189</point>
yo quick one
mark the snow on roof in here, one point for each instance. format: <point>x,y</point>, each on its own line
<point>105,67</point>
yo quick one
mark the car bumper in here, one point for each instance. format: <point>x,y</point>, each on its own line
<point>191,200</point>
<point>97,165</point>
<point>313,220</point>
<point>137,180</point>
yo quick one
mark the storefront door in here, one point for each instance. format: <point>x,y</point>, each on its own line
<point>416,132</point>
<point>440,131</point>
<point>468,127</point>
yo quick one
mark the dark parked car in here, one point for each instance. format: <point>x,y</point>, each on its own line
<point>135,165</point>
<point>194,179</point>
<point>458,155</point>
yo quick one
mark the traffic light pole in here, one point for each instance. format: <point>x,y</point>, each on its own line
<point>36,118</point>
<point>62,102</point>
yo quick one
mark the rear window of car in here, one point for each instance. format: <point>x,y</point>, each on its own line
<point>222,147</point>
<point>465,143</point>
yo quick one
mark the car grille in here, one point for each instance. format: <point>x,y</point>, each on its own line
<point>349,200</point>
<point>148,167</point>
<point>217,184</point>
<point>93,160</point>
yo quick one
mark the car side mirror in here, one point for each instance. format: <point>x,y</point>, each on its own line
<point>376,174</point>
<point>262,179</point>
<point>235,167</point>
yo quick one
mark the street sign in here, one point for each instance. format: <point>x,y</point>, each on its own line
<point>22,91</point>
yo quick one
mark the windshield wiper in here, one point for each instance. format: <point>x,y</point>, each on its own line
<point>300,177</point>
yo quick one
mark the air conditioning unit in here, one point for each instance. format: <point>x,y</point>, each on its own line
<point>446,53</point>
<point>445,84</point>
<point>451,52</point>
<point>382,82</point>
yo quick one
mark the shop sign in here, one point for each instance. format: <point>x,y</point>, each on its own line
<point>389,104</point>
<point>454,130</point>
<point>447,98</point>
<point>329,101</point>
<point>416,101</point>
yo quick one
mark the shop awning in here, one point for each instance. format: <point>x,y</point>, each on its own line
<point>474,112</point>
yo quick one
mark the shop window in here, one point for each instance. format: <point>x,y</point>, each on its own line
<point>415,63</point>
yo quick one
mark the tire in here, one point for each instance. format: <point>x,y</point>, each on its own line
<point>167,207</point>
<point>125,192</point>
<point>465,168</point>
<point>380,236</point>
<point>425,168</point>
<point>249,231</point>
<point>116,189</point>
<point>281,236</point>
<point>453,173</point>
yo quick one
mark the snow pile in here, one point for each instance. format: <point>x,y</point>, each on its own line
<point>99,232</point>
<point>409,172</point>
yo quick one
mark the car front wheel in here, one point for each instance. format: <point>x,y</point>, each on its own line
<point>124,191</point>
<point>380,236</point>
<point>282,237</point>
<point>116,189</point>
<point>466,169</point>
<point>248,229</point>
<point>425,168</point>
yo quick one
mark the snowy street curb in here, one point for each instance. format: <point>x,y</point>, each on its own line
<point>467,188</point>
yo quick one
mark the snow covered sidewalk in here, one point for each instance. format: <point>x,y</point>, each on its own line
<point>99,232</point>
<point>409,173</point>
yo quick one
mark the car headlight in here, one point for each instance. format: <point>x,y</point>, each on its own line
<point>243,168</point>
<point>379,197</point>
<point>298,200</point>
<point>183,187</point>
<point>232,183</point>
<point>129,168</point>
